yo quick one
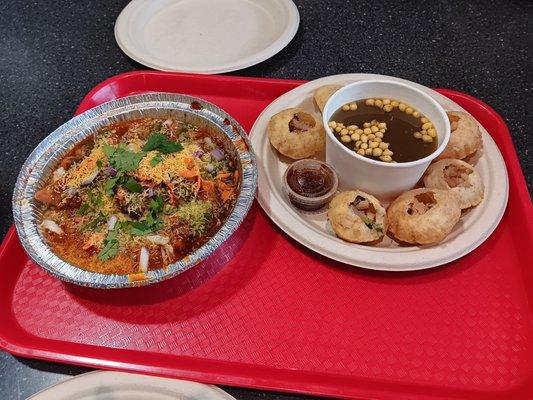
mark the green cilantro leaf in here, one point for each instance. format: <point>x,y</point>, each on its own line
<point>156,204</point>
<point>111,246</point>
<point>123,159</point>
<point>132,185</point>
<point>99,164</point>
<point>159,141</point>
<point>156,160</point>
<point>92,225</point>
<point>84,209</point>
<point>110,184</point>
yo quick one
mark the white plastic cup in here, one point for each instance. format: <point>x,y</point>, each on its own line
<point>383,180</point>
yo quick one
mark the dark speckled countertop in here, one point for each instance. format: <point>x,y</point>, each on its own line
<point>53,52</point>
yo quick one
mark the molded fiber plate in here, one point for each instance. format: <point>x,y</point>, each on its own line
<point>265,312</point>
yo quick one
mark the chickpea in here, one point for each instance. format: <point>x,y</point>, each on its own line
<point>409,110</point>
<point>387,152</point>
<point>352,127</point>
<point>364,138</point>
<point>378,103</point>
<point>344,131</point>
<point>374,129</point>
<point>359,131</point>
<point>432,132</point>
<point>367,131</point>
<point>379,134</point>
<point>383,146</point>
<point>427,138</point>
<point>417,135</point>
<point>332,124</point>
<point>387,108</point>
<point>361,152</point>
<point>377,140</point>
<point>355,137</point>
<point>383,130</point>
<point>402,107</point>
<point>346,107</point>
<point>338,128</point>
<point>358,143</point>
<point>377,152</point>
<point>364,146</point>
<point>366,125</point>
<point>427,125</point>
<point>353,106</point>
<point>373,145</point>
<point>394,103</point>
<point>373,122</point>
<point>386,158</point>
<point>424,120</point>
<point>416,114</point>
<point>368,152</point>
<point>386,101</point>
<point>382,125</point>
<point>345,138</point>
<point>369,102</point>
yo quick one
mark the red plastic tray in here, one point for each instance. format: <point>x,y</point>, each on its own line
<point>264,312</point>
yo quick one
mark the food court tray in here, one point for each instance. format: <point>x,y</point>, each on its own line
<point>265,312</point>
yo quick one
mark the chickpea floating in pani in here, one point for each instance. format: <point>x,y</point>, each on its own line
<point>400,130</point>
<point>296,134</point>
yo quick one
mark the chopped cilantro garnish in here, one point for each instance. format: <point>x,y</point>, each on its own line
<point>371,224</point>
<point>92,225</point>
<point>99,164</point>
<point>156,160</point>
<point>123,159</point>
<point>84,209</point>
<point>132,185</point>
<point>110,184</point>
<point>159,141</point>
<point>111,246</point>
<point>151,223</point>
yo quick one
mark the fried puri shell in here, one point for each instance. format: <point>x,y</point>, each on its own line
<point>423,216</point>
<point>465,138</point>
<point>459,177</point>
<point>296,133</point>
<point>357,217</point>
<point>323,93</point>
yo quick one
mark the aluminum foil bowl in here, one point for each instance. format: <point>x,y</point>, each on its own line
<point>43,160</point>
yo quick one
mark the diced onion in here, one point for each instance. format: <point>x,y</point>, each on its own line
<point>58,174</point>
<point>217,154</point>
<point>111,222</point>
<point>71,192</point>
<point>52,226</point>
<point>90,178</point>
<point>209,168</point>
<point>158,239</point>
<point>143,259</point>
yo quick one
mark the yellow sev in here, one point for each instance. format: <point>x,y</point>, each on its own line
<point>175,162</point>
<point>85,168</point>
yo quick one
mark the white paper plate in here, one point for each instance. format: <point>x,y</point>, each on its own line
<point>311,229</point>
<point>107,385</point>
<point>205,36</point>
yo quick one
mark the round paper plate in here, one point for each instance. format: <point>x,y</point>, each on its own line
<point>205,36</point>
<point>312,230</point>
<point>105,385</point>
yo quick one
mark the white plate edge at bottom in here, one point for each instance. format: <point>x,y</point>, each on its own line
<point>96,379</point>
<point>283,221</point>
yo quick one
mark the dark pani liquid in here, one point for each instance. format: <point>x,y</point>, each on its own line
<point>399,133</point>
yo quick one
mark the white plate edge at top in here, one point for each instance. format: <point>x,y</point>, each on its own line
<point>293,23</point>
<point>277,207</point>
<point>99,380</point>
